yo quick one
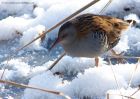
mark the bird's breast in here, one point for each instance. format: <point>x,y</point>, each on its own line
<point>92,45</point>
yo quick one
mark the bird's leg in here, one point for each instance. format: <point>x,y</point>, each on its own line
<point>120,60</point>
<point>96,61</point>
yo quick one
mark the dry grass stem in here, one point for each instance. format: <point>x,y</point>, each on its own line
<point>36,88</point>
<point>133,73</point>
<point>129,97</point>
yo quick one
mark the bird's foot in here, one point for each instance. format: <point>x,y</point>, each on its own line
<point>119,57</point>
<point>97,61</point>
<point>59,74</point>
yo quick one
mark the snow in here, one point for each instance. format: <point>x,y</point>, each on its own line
<point>132,16</point>
<point>74,65</point>
<point>49,80</point>
<point>21,23</point>
<point>94,82</point>
<point>31,34</point>
<point>10,25</point>
<point>16,69</point>
<point>7,8</point>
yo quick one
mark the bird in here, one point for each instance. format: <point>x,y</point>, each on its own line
<point>89,35</point>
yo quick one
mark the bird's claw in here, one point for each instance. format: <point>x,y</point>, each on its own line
<point>59,74</point>
<point>120,58</point>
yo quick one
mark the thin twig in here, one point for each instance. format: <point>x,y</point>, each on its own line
<point>127,57</point>
<point>7,61</point>
<point>108,3</point>
<point>59,58</point>
<point>135,91</point>
<point>133,73</point>
<point>115,76</point>
<point>129,97</point>
<point>36,88</point>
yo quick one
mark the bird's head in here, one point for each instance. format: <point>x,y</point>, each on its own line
<point>66,35</point>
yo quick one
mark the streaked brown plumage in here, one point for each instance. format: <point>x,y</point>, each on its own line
<point>113,27</point>
<point>90,35</point>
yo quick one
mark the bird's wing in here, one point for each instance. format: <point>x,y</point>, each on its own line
<point>111,26</point>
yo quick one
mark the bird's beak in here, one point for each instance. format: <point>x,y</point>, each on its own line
<point>54,44</point>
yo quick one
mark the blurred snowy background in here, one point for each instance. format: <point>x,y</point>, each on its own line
<point>23,20</point>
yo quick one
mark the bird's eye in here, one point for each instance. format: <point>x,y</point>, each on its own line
<point>63,36</point>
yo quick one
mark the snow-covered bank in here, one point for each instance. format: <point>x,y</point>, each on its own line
<point>94,82</point>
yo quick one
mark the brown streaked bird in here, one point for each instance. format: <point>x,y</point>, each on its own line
<point>90,35</point>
